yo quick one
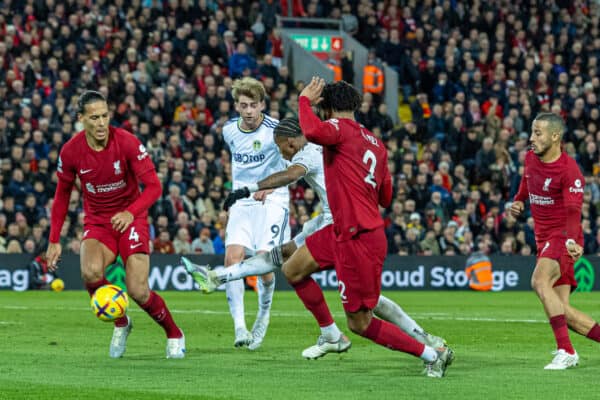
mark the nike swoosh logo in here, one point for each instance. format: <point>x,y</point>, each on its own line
<point>84,171</point>
<point>133,246</point>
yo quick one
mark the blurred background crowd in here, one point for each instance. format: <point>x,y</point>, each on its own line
<point>473,75</point>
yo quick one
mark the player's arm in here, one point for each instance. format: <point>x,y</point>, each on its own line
<point>141,165</point>
<point>518,205</point>
<point>60,206</point>
<point>276,180</point>
<point>572,191</point>
<point>385,189</point>
<point>324,133</point>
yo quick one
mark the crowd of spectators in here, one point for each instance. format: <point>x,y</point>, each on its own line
<point>473,74</point>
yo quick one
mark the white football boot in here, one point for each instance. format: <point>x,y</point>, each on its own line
<point>176,347</point>
<point>242,337</point>
<point>563,360</point>
<point>259,330</point>
<point>118,343</point>
<point>324,347</point>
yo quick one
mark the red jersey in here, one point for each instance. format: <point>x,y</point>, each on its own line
<point>109,178</point>
<point>356,171</point>
<point>555,192</point>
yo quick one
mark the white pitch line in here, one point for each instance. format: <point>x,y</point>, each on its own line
<point>284,314</point>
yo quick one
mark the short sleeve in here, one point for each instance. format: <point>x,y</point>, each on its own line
<point>66,169</point>
<point>137,156</point>
<point>308,160</point>
<point>573,186</point>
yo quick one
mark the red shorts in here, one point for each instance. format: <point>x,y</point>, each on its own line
<point>134,240</point>
<point>556,249</point>
<point>358,264</point>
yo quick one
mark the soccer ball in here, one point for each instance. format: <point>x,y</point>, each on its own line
<point>57,285</point>
<point>109,302</point>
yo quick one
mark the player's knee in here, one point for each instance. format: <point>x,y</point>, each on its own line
<point>357,326</point>
<point>288,249</point>
<point>140,293</point>
<point>233,258</point>
<point>92,273</point>
<point>293,275</point>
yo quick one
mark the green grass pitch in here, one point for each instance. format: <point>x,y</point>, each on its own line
<point>52,347</point>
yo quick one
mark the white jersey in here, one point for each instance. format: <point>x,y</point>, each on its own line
<point>311,158</point>
<point>254,156</point>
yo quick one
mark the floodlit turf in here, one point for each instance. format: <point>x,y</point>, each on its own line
<point>52,347</point>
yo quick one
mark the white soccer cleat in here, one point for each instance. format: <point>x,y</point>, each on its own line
<point>118,343</point>
<point>324,347</point>
<point>242,337</point>
<point>433,341</point>
<point>259,330</point>
<point>437,368</point>
<point>176,347</point>
<point>563,360</point>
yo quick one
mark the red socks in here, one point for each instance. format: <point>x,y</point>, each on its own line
<point>92,286</point>
<point>389,335</point>
<point>157,309</point>
<point>561,333</point>
<point>312,296</point>
<point>594,333</point>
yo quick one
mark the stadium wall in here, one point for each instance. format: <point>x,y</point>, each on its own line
<point>400,273</point>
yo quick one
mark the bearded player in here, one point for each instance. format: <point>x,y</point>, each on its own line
<point>110,164</point>
<point>554,185</point>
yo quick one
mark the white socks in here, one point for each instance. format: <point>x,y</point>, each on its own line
<point>265,294</point>
<point>235,298</point>
<point>258,265</point>
<point>388,310</point>
<point>429,354</point>
<point>331,333</point>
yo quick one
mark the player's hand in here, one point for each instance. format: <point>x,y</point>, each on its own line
<point>53,255</point>
<point>517,208</point>
<point>121,221</point>
<point>313,90</point>
<point>574,249</point>
<point>235,196</point>
<point>261,195</point>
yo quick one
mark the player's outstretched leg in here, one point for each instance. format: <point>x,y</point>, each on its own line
<point>390,311</point>
<point>389,335</point>
<point>202,275</point>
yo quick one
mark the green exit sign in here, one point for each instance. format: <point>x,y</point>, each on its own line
<point>318,42</point>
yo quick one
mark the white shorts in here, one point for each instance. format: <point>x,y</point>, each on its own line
<point>257,227</point>
<point>311,226</point>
